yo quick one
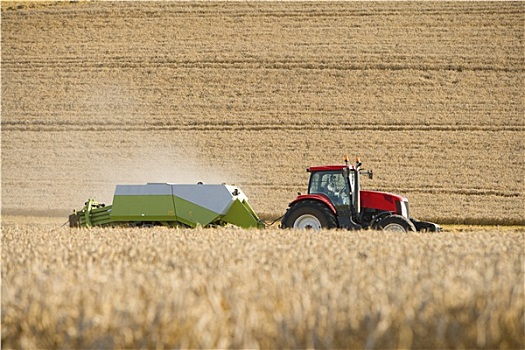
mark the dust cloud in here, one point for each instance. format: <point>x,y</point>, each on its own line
<point>157,165</point>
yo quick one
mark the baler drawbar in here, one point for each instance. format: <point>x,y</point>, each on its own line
<point>170,205</point>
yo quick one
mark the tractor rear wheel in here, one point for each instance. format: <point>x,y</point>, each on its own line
<point>396,223</point>
<point>309,214</point>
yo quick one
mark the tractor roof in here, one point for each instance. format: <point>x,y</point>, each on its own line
<point>326,168</point>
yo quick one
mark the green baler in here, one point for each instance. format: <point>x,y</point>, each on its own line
<point>170,205</point>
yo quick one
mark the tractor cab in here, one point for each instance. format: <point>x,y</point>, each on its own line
<point>331,183</point>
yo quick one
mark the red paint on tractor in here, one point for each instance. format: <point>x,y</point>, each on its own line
<point>380,200</point>
<point>326,168</point>
<point>369,199</point>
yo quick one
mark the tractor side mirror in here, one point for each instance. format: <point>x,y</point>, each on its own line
<point>369,173</point>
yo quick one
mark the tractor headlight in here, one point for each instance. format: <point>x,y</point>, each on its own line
<point>404,208</point>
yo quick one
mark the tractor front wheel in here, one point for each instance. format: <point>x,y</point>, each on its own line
<point>396,223</point>
<point>307,215</point>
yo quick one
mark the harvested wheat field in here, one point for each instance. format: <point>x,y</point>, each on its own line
<point>429,95</point>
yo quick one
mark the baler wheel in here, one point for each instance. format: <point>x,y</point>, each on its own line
<point>396,223</point>
<point>309,214</point>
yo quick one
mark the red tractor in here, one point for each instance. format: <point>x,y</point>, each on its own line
<point>335,200</point>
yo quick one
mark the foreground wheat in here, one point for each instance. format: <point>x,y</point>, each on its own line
<point>227,288</point>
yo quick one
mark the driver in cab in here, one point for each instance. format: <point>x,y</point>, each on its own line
<point>336,191</point>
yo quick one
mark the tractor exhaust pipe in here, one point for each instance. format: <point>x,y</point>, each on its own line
<point>356,197</point>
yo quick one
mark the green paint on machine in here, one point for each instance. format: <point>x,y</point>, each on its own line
<point>142,208</point>
<point>241,214</point>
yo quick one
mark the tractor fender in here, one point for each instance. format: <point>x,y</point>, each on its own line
<point>316,197</point>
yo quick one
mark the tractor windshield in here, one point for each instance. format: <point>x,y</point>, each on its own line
<point>332,184</point>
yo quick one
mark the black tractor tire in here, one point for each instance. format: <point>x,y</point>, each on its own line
<point>396,223</point>
<point>309,214</point>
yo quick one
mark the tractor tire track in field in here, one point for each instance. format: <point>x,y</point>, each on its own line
<point>204,126</point>
<point>430,190</point>
<point>255,63</point>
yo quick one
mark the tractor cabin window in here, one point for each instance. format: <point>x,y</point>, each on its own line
<point>332,184</point>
